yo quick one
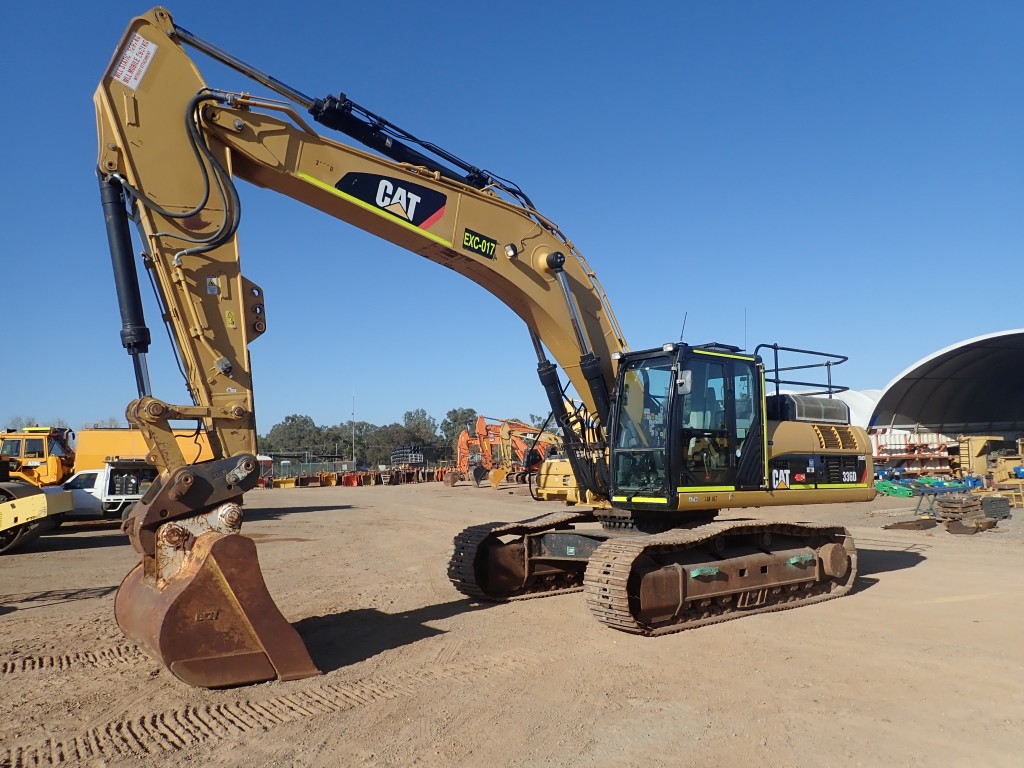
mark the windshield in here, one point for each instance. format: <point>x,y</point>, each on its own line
<point>640,466</point>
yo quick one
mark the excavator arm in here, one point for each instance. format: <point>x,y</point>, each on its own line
<point>170,150</point>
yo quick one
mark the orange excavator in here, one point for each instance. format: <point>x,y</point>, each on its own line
<point>662,441</point>
<point>474,456</point>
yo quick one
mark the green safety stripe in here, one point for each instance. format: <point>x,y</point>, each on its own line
<point>703,488</point>
<point>641,499</point>
<point>372,209</point>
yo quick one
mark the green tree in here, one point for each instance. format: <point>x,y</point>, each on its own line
<point>295,433</point>
<point>456,420</point>
<point>546,422</point>
<point>422,428</point>
<point>383,440</point>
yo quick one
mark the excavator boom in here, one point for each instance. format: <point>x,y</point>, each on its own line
<point>170,149</point>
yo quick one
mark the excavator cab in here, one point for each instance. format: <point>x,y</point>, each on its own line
<point>689,420</point>
<point>41,456</point>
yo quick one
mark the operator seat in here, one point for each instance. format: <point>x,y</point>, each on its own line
<point>714,413</point>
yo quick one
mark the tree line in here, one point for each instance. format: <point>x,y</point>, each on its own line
<point>373,443</point>
<point>16,423</point>
<point>299,434</point>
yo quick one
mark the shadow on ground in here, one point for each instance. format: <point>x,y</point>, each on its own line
<point>77,535</point>
<point>341,639</point>
<point>27,600</point>
<point>253,513</point>
<point>875,561</point>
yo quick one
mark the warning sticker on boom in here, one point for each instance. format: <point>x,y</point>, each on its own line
<point>135,60</point>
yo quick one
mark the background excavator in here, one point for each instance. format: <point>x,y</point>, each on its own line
<point>474,453</point>
<point>663,439</point>
<point>524,448</point>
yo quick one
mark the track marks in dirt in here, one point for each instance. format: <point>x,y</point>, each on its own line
<point>102,658</point>
<point>152,733</point>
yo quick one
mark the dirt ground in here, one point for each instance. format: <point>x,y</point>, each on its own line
<point>923,664</point>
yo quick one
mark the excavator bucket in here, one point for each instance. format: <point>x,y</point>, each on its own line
<point>213,623</point>
<point>497,477</point>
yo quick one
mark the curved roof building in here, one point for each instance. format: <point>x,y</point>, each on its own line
<point>973,387</point>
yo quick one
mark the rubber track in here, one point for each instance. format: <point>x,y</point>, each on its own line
<point>461,572</point>
<point>160,733</point>
<point>608,570</point>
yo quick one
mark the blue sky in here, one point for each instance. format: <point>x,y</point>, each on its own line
<point>841,176</point>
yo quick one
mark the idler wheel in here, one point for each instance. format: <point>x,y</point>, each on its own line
<point>835,561</point>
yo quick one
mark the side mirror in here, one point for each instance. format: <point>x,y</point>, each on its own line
<point>684,382</point>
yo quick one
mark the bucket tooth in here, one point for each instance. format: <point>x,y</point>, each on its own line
<point>213,624</point>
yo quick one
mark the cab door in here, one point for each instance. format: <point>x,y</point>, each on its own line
<point>719,425</point>
<point>85,492</point>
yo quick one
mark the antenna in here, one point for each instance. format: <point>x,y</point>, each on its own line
<point>744,328</point>
<point>683,329</point>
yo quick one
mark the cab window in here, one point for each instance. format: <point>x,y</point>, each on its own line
<point>12,447</point>
<point>743,386</point>
<point>82,482</point>
<point>35,448</point>
<point>641,431</point>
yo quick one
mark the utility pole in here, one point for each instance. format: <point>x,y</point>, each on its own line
<point>354,429</point>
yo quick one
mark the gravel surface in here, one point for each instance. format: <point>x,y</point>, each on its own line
<point>921,665</point>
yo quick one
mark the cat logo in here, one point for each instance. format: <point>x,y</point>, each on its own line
<point>396,200</point>
<point>414,203</point>
<point>780,479</point>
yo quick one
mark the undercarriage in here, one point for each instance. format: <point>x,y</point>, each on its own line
<point>657,583</point>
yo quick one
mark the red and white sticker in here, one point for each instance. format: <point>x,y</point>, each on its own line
<point>137,56</point>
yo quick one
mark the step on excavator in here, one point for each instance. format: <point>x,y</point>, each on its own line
<point>661,442</point>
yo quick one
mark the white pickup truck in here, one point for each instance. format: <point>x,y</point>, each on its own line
<point>111,490</point>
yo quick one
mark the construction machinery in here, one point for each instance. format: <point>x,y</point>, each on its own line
<point>42,456</point>
<point>96,467</point>
<point>989,457</point>
<point>32,458</point>
<point>523,450</point>
<point>474,453</point>
<point>663,439</point>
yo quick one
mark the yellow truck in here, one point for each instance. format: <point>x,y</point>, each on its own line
<point>97,447</point>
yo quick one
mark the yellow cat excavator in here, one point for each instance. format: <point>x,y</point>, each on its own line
<point>662,441</point>
<point>523,449</point>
